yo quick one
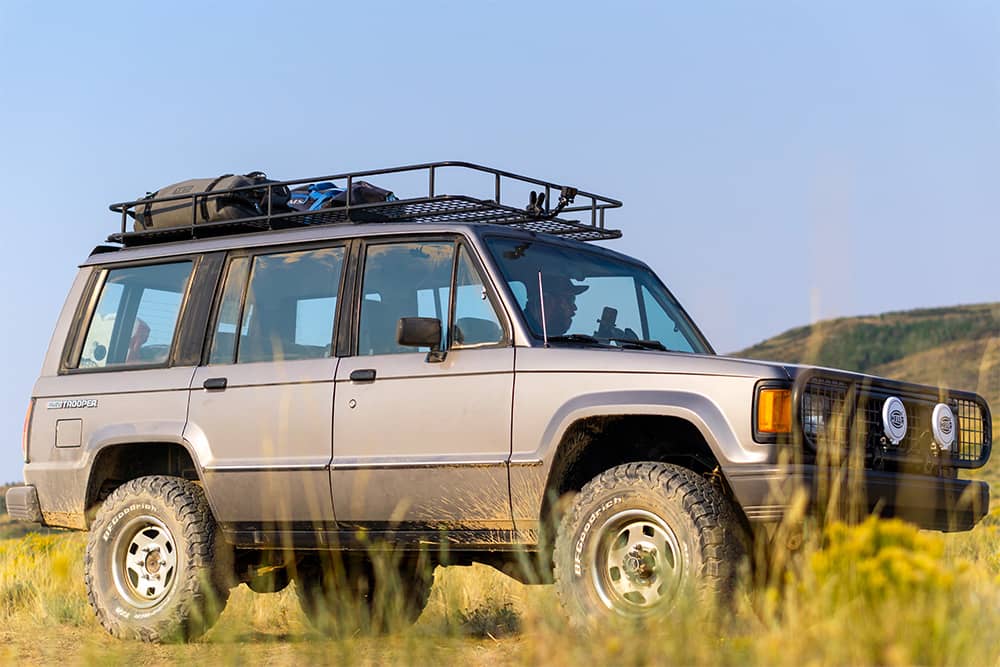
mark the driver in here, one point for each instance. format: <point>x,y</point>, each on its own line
<point>560,305</point>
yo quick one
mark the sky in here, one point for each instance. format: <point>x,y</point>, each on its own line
<point>779,162</point>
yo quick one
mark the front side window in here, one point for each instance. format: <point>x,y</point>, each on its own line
<point>591,297</point>
<point>136,316</point>
<point>278,307</point>
<point>476,321</point>
<point>402,280</point>
<point>414,279</point>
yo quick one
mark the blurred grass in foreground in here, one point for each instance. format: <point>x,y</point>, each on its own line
<point>879,593</point>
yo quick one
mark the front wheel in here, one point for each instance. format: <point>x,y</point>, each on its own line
<point>641,536</point>
<point>151,563</point>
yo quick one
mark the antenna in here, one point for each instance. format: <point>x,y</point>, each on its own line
<point>541,302</point>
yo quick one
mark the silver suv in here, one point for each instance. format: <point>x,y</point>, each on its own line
<point>454,376</point>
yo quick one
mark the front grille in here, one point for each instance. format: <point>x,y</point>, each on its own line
<point>842,410</point>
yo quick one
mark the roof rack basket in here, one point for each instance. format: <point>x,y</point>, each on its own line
<point>540,214</point>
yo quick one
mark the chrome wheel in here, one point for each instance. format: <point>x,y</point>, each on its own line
<point>637,564</point>
<point>145,561</point>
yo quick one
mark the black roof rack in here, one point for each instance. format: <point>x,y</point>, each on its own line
<point>540,214</point>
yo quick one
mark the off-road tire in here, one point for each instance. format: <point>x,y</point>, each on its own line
<point>177,515</point>
<point>346,594</point>
<point>673,505</point>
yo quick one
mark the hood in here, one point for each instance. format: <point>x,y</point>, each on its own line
<point>611,360</point>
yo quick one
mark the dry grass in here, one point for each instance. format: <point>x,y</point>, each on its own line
<point>878,593</point>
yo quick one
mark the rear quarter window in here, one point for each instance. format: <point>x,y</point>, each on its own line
<point>136,316</point>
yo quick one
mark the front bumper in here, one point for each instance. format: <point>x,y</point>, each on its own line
<point>22,504</point>
<point>766,493</point>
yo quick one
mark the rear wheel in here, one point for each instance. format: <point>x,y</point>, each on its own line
<point>342,594</point>
<point>642,536</point>
<point>151,568</point>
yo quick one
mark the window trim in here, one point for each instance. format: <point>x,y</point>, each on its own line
<point>196,316</point>
<point>73,349</point>
<point>69,364</point>
<point>251,253</point>
<point>213,322</point>
<point>241,312</point>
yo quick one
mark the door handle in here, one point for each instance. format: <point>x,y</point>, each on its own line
<point>363,375</point>
<point>215,383</point>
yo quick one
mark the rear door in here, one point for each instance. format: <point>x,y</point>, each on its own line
<point>423,444</point>
<point>262,402</point>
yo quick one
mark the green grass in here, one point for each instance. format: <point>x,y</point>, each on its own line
<point>12,529</point>
<point>879,593</point>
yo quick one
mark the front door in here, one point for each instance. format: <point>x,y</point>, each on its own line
<point>422,443</point>
<point>262,405</point>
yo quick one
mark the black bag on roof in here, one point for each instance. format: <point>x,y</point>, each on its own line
<point>211,208</point>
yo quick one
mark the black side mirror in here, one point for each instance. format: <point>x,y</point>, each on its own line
<point>421,332</point>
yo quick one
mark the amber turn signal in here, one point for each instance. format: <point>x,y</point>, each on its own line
<point>774,411</point>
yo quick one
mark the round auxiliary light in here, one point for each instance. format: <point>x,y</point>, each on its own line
<point>943,426</point>
<point>894,420</point>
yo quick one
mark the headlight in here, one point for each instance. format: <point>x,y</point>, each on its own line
<point>815,411</point>
<point>943,426</point>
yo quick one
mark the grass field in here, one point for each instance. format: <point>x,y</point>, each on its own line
<point>878,593</point>
<point>881,593</point>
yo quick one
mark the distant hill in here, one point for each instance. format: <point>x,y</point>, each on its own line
<point>956,347</point>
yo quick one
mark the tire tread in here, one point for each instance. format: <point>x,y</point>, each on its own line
<point>718,529</point>
<point>200,540</point>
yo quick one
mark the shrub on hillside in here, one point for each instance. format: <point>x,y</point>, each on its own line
<point>883,592</point>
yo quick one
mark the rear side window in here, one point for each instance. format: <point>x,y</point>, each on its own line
<point>285,313</point>
<point>136,316</point>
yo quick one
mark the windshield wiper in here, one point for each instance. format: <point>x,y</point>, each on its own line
<point>638,343</point>
<point>624,343</point>
<point>577,338</point>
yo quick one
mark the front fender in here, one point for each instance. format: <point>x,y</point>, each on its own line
<point>532,462</point>
<point>695,408</point>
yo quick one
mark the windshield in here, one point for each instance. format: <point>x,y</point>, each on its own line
<point>592,298</point>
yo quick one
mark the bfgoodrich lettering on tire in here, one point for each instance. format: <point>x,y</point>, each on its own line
<point>151,566</point>
<point>640,536</point>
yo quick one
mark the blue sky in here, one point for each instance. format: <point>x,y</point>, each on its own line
<point>779,162</point>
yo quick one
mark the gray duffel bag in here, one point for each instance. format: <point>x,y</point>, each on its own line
<point>211,208</point>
